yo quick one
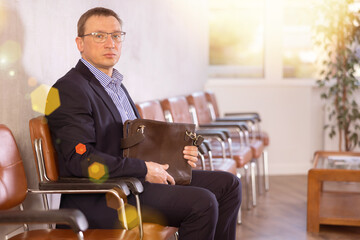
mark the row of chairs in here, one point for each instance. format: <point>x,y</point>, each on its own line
<point>14,189</point>
<point>244,145</point>
<point>243,150</point>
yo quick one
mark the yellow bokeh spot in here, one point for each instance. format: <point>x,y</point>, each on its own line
<point>97,171</point>
<point>53,101</point>
<point>131,216</point>
<point>10,52</point>
<point>45,99</point>
<point>38,98</point>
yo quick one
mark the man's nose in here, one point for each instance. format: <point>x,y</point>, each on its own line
<point>109,42</point>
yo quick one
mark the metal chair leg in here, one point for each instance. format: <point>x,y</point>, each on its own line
<point>259,176</point>
<point>238,174</point>
<point>253,181</point>
<point>266,170</point>
<point>247,187</point>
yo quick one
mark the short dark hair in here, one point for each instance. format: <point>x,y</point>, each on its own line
<point>98,11</point>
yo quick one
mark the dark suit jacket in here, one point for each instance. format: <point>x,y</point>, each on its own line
<point>88,115</point>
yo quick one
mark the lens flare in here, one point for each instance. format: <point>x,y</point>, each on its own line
<point>80,149</point>
<point>32,82</point>
<point>98,172</point>
<point>10,53</point>
<point>45,99</point>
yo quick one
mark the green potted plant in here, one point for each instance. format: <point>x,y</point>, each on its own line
<point>337,36</point>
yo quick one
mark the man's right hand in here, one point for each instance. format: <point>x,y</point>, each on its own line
<point>156,173</point>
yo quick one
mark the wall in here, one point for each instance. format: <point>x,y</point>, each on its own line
<point>291,111</point>
<point>164,54</point>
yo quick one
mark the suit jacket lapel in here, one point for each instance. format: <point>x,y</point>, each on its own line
<point>95,84</point>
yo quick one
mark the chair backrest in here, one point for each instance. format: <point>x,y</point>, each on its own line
<point>212,103</point>
<point>13,184</point>
<point>43,148</point>
<point>151,110</point>
<point>178,108</point>
<point>198,101</point>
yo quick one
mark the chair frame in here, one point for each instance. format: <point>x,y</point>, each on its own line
<point>252,118</point>
<point>84,185</point>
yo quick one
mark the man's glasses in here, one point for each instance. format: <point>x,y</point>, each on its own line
<point>101,37</point>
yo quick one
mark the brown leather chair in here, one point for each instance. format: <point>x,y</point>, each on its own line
<point>255,119</point>
<point>241,145</point>
<point>153,110</point>
<point>46,162</point>
<point>176,109</point>
<point>13,190</point>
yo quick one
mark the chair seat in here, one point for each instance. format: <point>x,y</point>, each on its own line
<point>257,148</point>
<point>151,232</point>
<point>219,164</point>
<point>263,136</point>
<point>241,154</point>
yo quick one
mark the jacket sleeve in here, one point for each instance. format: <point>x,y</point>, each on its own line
<point>74,131</point>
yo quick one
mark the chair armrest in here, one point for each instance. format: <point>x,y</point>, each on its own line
<point>134,184</point>
<point>250,114</point>
<point>237,119</point>
<point>72,217</point>
<point>212,133</point>
<point>241,126</point>
<point>207,145</point>
<point>74,184</point>
<point>115,190</point>
<point>204,148</point>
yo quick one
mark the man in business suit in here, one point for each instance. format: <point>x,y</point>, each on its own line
<point>94,106</point>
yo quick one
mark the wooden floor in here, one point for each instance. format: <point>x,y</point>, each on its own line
<point>281,215</point>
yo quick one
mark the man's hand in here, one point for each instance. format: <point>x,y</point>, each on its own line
<point>191,153</point>
<point>156,173</point>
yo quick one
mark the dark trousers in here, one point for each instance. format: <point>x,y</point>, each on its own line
<point>207,209</point>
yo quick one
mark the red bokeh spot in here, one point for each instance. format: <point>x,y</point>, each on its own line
<point>80,148</point>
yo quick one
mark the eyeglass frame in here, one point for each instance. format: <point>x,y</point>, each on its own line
<point>93,34</point>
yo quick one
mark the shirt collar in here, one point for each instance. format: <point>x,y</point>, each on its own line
<point>103,78</point>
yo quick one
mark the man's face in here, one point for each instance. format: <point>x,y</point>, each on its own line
<point>101,55</point>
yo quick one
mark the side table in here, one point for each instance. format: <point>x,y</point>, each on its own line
<point>332,207</point>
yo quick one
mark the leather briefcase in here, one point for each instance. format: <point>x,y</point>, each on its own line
<point>161,142</point>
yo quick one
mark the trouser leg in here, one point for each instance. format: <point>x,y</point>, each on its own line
<point>193,210</point>
<point>206,209</point>
<point>227,189</point>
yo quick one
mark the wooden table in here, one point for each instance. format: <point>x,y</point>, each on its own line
<point>332,207</point>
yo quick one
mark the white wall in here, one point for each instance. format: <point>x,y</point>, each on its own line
<point>291,112</point>
<point>164,54</point>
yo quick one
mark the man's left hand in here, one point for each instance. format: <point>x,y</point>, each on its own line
<point>191,153</point>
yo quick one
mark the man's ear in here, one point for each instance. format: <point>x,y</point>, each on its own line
<point>80,43</point>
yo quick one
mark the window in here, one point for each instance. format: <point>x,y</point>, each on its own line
<point>247,37</point>
<point>236,38</point>
<point>298,53</point>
